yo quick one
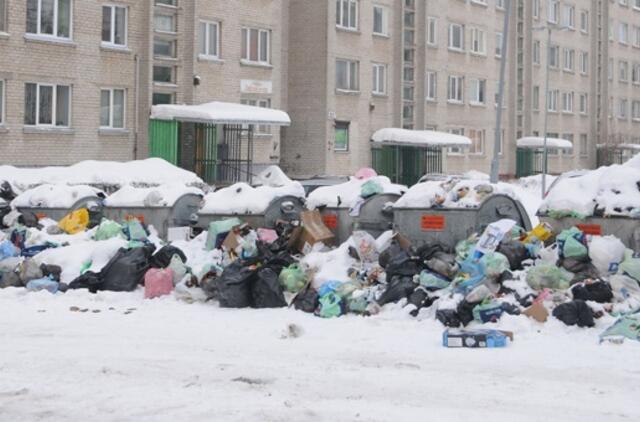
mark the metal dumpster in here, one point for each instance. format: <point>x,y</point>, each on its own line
<point>181,214</point>
<point>375,217</point>
<point>626,229</point>
<point>451,225</point>
<point>286,208</point>
<point>93,203</point>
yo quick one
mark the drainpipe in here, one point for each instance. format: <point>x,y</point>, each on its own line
<point>136,106</point>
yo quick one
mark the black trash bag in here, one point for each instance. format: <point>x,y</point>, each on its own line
<point>306,300</point>
<point>266,291</point>
<point>10,279</point>
<point>88,280</point>
<point>444,264</point>
<point>208,283</point>
<point>233,287</point>
<point>394,250</point>
<point>583,269</point>
<point>162,258</point>
<point>510,308</point>
<point>6,191</point>
<point>426,252</point>
<point>515,251</point>
<point>277,261</point>
<point>402,264</point>
<point>420,299</point>
<point>399,288</point>
<point>28,219</point>
<point>575,312</point>
<point>465,312</point>
<point>51,271</point>
<point>125,271</point>
<point>600,292</point>
<point>448,317</point>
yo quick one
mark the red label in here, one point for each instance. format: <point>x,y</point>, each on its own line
<point>432,223</point>
<point>331,221</point>
<point>592,229</point>
<point>41,215</point>
<point>130,217</point>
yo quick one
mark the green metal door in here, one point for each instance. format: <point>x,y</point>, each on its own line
<point>163,140</point>
<point>206,152</point>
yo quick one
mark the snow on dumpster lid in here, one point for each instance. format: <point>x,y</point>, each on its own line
<point>538,142</point>
<point>398,136</point>
<point>219,112</point>
<point>161,196</point>
<point>54,196</point>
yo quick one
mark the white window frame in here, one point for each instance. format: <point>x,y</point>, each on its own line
<point>623,109</point>
<point>553,11</point>
<point>478,41</point>
<point>535,52</point>
<point>536,9</point>
<point>247,39</point>
<point>554,52</point>
<point>623,71</point>
<point>583,100</point>
<point>500,4</point>
<point>474,99</point>
<point>4,17</point>
<point>55,22</point>
<point>340,17</point>
<point>552,103</point>
<point>174,29</point>
<point>385,20</point>
<point>535,98</point>
<point>455,150</point>
<point>3,95</point>
<point>584,21</point>
<point>349,74</point>
<point>635,110</point>
<point>458,88</point>
<point>450,41</point>
<point>111,108</point>
<point>260,130</point>
<point>623,33</point>
<point>569,16</point>
<point>636,36</point>
<point>376,69</point>
<point>635,73</point>
<point>584,145</point>
<point>477,145</point>
<point>431,90</point>
<point>112,35</point>
<point>584,62</point>
<point>54,106</point>
<point>432,29</point>
<point>568,59</point>
<point>567,102</point>
<point>207,39</point>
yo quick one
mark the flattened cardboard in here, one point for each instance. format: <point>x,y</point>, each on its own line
<point>313,230</point>
<point>537,311</point>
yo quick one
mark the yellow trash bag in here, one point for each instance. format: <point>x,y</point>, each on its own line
<point>75,222</point>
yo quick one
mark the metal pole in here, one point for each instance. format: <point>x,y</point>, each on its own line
<point>546,114</point>
<point>495,163</point>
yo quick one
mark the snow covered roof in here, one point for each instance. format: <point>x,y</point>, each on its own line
<point>538,142</point>
<point>398,136</point>
<point>219,112</point>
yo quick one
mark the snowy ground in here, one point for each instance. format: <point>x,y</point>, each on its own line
<point>130,359</point>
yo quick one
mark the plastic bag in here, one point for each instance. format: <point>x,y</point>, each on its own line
<point>330,305</point>
<point>266,291</point>
<point>624,287</point>
<point>306,300</point>
<point>549,276</point>
<point>178,267</point>
<point>30,270</point>
<point>43,284</point>
<point>365,246</point>
<point>626,327</point>
<point>493,235</point>
<point>108,229</point>
<point>293,278</point>
<point>399,288</point>
<point>433,281</point>
<point>606,253</point>
<point>158,282</point>
<point>8,250</point>
<point>218,231</point>
<point>630,266</point>
<point>135,231</point>
<point>75,222</point>
<point>575,312</point>
<point>494,264</point>
<point>571,243</point>
<point>515,251</point>
<point>370,188</point>
<point>490,311</point>
<point>233,287</point>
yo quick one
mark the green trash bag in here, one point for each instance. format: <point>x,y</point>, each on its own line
<point>494,264</point>
<point>85,266</point>
<point>358,304</point>
<point>108,229</point>
<point>630,266</point>
<point>293,278</point>
<point>627,326</point>
<point>330,305</point>
<point>218,232</point>
<point>345,290</point>
<point>570,242</point>
<point>135,231</point>
<point>560,214</point>
<point>179,269</point>
<point>432,281</point>
<point>464,248</point>
<point>549,276</point>
<point>370,188</point>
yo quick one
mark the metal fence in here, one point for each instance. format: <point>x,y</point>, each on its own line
<point>404,164</point>
<point>529,162</point>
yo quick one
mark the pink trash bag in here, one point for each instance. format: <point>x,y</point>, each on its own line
<point>158,282</point>
<point>365,173</point>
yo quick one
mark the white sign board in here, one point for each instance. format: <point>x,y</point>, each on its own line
<point>250,86</point>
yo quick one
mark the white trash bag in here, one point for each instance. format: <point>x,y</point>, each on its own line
<point>606,253</point>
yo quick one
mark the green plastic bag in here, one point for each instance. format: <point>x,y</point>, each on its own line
<point>571,244</point>
<point>549,276</point>
<point>628,326</point>
<point>370,188</point>
<point>494,264</point>
<point>218,231</point>
<point>293,278</point>
<point>630,266</point>
<point>358,304</point>
<point>345,290</point>
<point>108,229</point>
<point>464,248</point>
<point>330,305</point>
<point>559,214</point>
<point>179,269</point>
<point>432,281</point>
<point>135,231</point>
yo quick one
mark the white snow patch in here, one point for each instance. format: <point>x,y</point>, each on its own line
<point>419,137</point>
<point>345,195</point>
<point>244,199</point>
<point>54,196</point>
<point>161,196</point>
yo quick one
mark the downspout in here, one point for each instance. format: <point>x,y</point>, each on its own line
<point>136,107</point>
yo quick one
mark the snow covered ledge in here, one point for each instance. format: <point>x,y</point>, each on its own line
<point>419,138</point>
<point>534,142</point>
<point>221,113</point>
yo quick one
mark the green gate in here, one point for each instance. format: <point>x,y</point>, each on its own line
<point>163,140</point>
<point>529,162</point>
<point>405,164</point>
<point>206,151</point>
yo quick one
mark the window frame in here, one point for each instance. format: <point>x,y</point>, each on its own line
<point>479,37</point>
<point>473,148</point>
<point>585,110</point>
<point>112,30</point>
<point>498,49</point>
<point>568,98</point>
<point>247,39</point>
<point>207,39</point>
<point>624,40</point>
<point>375,89</point>
<point>385,20</point>
<point>431,75</point>
<point>341,125</point>
<point>349,63</point>
<point>3,95</point>
<point>450,38</point>
<point>54,106</point>
<point>568,60</point>
<point>474,99</point>
<point>432,23</point>
<point>340,18</point>
<point>458,88</point>
<point>262,102</point>
<point>4,15</point>
<point>112,108</point>
<point>55,35</point>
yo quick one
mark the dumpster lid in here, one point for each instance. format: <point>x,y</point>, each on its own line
<point>396,136</point>
<point>538,142</point>
<point>219,112</point>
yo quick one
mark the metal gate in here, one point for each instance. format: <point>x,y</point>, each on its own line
<point>235,155</point>
<point>206,150</point>
<point>163,140</point>
<point>406,165</point>
<point>529,162</point>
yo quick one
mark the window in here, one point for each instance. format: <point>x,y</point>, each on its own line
<point>478,41</point>
<point>584,145</point>
<point>482,2</point>
<point>379,79</point>
<point>162,98</point>
<point>432,30</point>
<point>49,17</point>
<point>567,102</point>
<point>500,4</point>
<point>553,10</point>
<point>432,86</point>
<point>568,137</point>
<point>407,112</point>
<point>112,104</point>
<point>347,14</point>
<point>635,110</point>
<point>635,73</point>
<point>636,36</point>
<point>456,150</point>
<point>536,52</point>
<point>408,74</point>
<point>164,48</point>
<point>569,56</point>
<point>584,62</point>
<point>409,19</point>
<point>166,2</point>
<point>456,37</point>
<point>569,16</point>
<point>264,103</point>
<point>47,105</point>
<point>611,30</point>
<point>164,23</point>
<point>114,25</point>
<point>584,104</point>
<point>209,39</point>
<point>554,56</point>
<point>478,91</point>
<point>347,75</point>
<point>409,55</point>
<point>623,106</point>
<point>163,74</point>
<point>1,101</point>
<point>552,104</point>
<point>498,44</point>
<point>380,20</point>
<point>256,46</point>
<point>584,21</point>
<point>610,69</point>
<point>623,33</point>
<point>3,16</point>
<point>536,98</point>
<point>536,9</point>
<point>408,93</point>
<point>477,141</point>
<point>455,91</point>
<point>341,142</point>
<point>501,143</point>
<point>623,71</point>
<point>636,4</point>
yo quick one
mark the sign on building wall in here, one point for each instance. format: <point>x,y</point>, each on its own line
<point>250,86</point>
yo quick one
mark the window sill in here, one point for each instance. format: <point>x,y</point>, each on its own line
<point>165,34</point>
<point>477,155</point>
<point>165,85</point>
<point>481,4</point>
<point>3,129</point>
<point>165,58</point>
<point>382,36</point>
<point>568,71</point>
<point>567,113</point>
<point>584,115</point>
<point>476,104</point>
<point>347,92</point>
<point>4,35</point>
<point>210,59</point>
<point>456,50</point>
<point>476,54</point>
<point>435,46</point>
<point>431,100</point>
<point>379,96</point>
<point>166,6</point>
<point>354,31</point>
<point>49,40</point>
<point>341,151</point>
<point>263,135</point>
<point>48,130</point>
<point>245,62</point>
<point>115,48</point>
<point>455,102</point>
<point>106,131</point>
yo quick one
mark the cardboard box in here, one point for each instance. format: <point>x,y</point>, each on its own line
<point>476,338</point>
<point>537,311</point>
<point>312,231</point>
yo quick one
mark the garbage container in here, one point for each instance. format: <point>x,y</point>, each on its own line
<point>92,203</point>
<point>626,229</point>
<point>375,217</point>
<point>451,225</point>
<point>286,208</point>
<point>181,214</point>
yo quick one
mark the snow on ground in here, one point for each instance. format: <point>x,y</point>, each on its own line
<point>127,358</point>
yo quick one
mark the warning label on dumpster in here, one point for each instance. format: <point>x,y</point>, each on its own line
<point>592,229</point>
<point>432,223</point>
<point>130,217</point>
<point>331,221</point>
